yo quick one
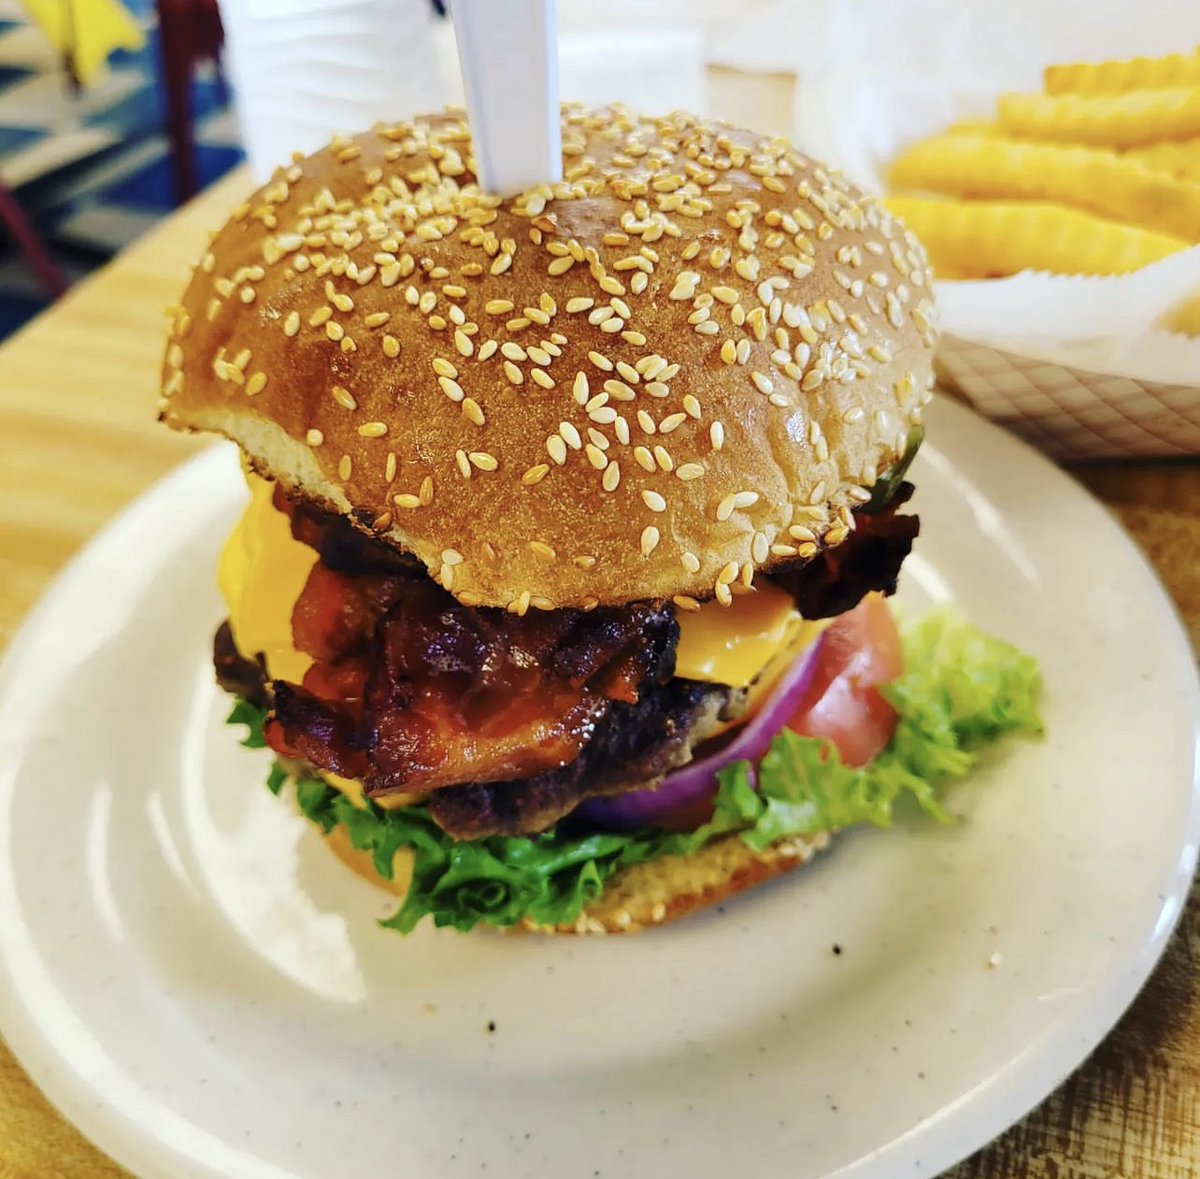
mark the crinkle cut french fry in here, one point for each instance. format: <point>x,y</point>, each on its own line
<point>1180,157</point>
<point>1185,318</point>
<point>1116,77</point>
<point>989,239</point>
<point>1095,179</point>
<point>974,127</point>
<point>1117,120</point>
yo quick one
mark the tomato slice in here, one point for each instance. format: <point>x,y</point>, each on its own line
<point>842,704</point>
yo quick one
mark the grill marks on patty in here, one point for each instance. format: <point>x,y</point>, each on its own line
<point>633,747</point>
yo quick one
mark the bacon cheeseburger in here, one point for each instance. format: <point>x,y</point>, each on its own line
<point>552,500</point>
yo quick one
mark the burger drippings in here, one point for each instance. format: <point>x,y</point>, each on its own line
<point>868,560</point>
<point>412,691</point>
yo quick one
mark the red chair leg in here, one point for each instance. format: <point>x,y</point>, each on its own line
<point>30,244</point>
<point>175,27</point>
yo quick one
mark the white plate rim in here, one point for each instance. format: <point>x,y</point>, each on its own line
<point>929,1148</point>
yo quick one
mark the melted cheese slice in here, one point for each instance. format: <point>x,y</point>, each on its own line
<point>261,573</point>
<point>263,569</point>
<point>732,644</point>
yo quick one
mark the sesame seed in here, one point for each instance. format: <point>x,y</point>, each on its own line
<point>760,548</point>
<point>482,460</point>
<point>685,285</point>
<point>723,594</point>
<point>514,374</point>
<point>779,400</point>
<point>601,361</point>
<point>664,460</point>
<point>541,549</point>
<point>291,325</point>
<point>344,397</point>
<point>487,349</point>
<point>464,464</point>
<point>604,415</point>
<point>406,501</point>
<point>472,411</point>
<point>320,317</point>
<point>646,422</point>
<point>596,456</point>
<point>691,405</point>
<point>690,562</point>
<point>689,471</point>
<point>556,448</point>
<point>451,557</point>
<point>611,477</point>
<point>570,435</point>
<point>314,437</point>
<point>726,295</point>
<point>657,388</point>
<point>578,304</point>
<point>372,429</point>
<point>716,435</point>
<point>654,501</point>
<point>644,458</point>
<point>671,422</point>
<point>256,384</point>
<point>463,343</point>
<point>728,573</point>
<point>345,467</point>
<point>541,377</point>
<point>498,306</point>
<point>649,541</point>
<point>598,439</point>
<point>618,390</point>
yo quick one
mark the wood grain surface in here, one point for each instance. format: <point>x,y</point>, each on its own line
<point>78,441</point>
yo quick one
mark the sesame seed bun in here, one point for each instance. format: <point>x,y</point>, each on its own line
<point>653,893</point>
<point>683,364</point>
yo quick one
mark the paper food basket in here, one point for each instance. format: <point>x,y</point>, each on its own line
<point>1079,366</point>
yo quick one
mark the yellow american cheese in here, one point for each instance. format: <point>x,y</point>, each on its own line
<point>261,573</point>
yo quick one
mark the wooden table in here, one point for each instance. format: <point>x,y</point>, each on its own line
<point>78,440</point>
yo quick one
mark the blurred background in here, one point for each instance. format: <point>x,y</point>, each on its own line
<point>110,114</point>
<point>113,112</point>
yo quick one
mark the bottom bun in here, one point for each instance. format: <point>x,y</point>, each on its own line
<point>646,894</point>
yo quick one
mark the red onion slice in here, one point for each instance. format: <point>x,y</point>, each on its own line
<point>696,782</point>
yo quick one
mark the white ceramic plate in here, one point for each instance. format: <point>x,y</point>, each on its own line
<point>199,985</point>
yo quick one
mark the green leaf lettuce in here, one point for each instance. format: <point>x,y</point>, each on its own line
<point>961,690</point>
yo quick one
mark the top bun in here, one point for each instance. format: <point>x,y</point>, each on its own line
<point>687,362</point>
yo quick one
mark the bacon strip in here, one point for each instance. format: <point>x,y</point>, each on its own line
<point>412,691</point>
